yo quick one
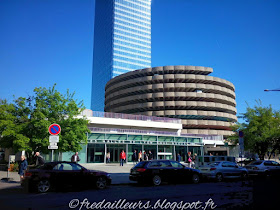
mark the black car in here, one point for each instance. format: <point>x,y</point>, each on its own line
<point>158,171</point>
<point>246,161</point>
<point>54,175</point>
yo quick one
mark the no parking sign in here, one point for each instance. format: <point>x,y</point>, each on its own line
<point>54,129</point>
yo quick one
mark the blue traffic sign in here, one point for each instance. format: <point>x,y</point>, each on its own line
<point>54,129</point>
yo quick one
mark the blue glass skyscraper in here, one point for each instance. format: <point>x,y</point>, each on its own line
<point>122,42</point>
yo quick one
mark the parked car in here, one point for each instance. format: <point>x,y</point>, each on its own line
<point>263,167</point>
<point>246,161</point>
<point>220,170</point>
<point>158,171</point>
<point>63,174</point>
<point>208,159</point>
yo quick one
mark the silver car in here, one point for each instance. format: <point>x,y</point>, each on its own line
<point>263,167</point>
<point>220,170</point>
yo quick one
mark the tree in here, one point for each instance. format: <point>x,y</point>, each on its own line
<point>261,130</point>
<point>24,124</point>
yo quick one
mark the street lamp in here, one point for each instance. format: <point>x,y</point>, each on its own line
<point>272,90</point>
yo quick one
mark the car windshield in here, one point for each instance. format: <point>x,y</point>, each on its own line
<point>46,166</point>
<point>256,163</point>
<point>140,164</point>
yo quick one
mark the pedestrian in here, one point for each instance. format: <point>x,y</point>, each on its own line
<point>150,155</point>
<point>39,160</point>
<point>194,160</point>
<point>140,156</point>
<point>108,156</point>
<point>189,160</point>
<point>22,167</point>
<point>122,157</point>
<point>178,157</point>
<point>145,156</point>
<point>134,157</point>
<point>75,158</point>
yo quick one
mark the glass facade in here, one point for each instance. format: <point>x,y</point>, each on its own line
<point>161,146</point>
<point>122,42</point>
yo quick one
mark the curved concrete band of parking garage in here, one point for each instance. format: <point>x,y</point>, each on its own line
<point>205,104</point>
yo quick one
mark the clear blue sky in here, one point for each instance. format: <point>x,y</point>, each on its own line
<point>50,41</point>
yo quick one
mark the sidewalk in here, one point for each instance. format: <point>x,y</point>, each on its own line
<point>119,174</point>
<point>13,175</point>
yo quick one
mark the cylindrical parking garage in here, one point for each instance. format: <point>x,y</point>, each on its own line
<point>205,104</point>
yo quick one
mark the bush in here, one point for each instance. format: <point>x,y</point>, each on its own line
<point>14,167</point>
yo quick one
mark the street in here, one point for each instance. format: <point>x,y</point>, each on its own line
<point>235,194</point>
<point>254,193</point>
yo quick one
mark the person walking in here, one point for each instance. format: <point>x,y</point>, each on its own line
<point>108,156</point>
<point>140,156</point>
<point>134,157</point>
<point>189,160</point>
<point>150,155</point>
<point>178,157</point>
<point>194,160</point>
<point>22,167</point>
<point>122,157</point>
<point>145,156</point>
<point>75,158</point>
<point>38,159</point>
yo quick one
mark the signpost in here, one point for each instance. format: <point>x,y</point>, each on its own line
<point>54,130</point>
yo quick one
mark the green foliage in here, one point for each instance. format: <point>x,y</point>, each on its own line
<point>24,124</point>
<point>14,166</point>
<point>261,129</point>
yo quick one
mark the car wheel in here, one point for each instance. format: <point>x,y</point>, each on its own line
<point>43,186</point>
<point>101,183</point>
<point>156,180</point>
<point>219,177</point>
<point>195,179</point>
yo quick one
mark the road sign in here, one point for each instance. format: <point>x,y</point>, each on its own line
<point>54,139</point>
<point>54,129</point>
<point>52,147</point>
<point>53,144</point>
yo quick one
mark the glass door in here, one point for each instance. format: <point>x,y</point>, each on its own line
<point>115,151</point>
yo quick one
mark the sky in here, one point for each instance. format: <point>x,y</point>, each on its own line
<point>43,42</point>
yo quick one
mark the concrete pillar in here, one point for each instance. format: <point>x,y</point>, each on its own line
<point>126,148</point>
<point>105,153</point>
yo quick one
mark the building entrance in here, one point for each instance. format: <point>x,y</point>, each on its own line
<point>165,152</point>
<point>115,151</point>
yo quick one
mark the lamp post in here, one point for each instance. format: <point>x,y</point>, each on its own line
<point>272,90</point>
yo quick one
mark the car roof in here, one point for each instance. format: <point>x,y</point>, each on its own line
<point>56,162</point>
<point>159,160</point>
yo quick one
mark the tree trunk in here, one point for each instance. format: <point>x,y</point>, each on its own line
<point>273,150</point>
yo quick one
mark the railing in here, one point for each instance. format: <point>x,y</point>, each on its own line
<point>124,131</point>
<point>135,117</point>
<point>205,137</point>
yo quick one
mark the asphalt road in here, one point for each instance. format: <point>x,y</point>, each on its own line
<point>207,195</point>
